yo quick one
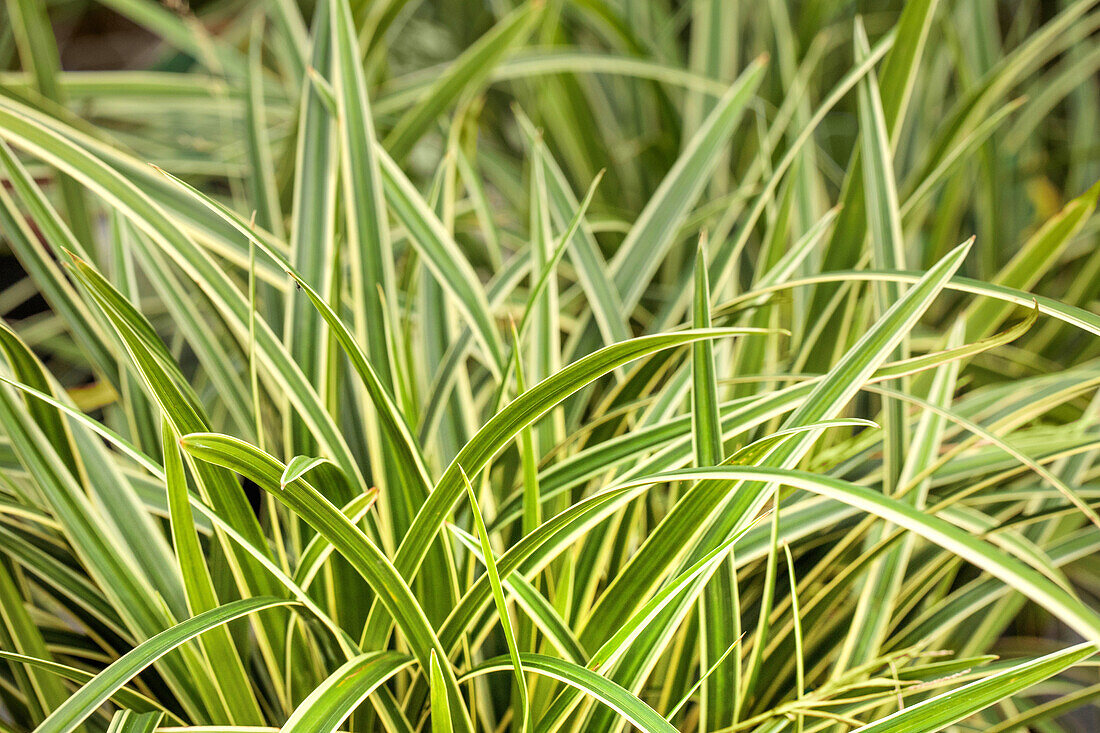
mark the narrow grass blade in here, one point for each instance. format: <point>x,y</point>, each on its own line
<point>313,213</point>
<point>38,134</point>
<point>123,696</point>
<point>584,252</point>
<point>1036,257</point>
<point>128,721</point>
<point>687,522</point>
<point>337,697</point>
<point>501,604</point>
<point>938,712</point>
<point>352,544</point>
<point>441,710</point>
<point>466,73</point>
<point>265,193</point>
<point>442,255</point>
<point>655,228</point>
<point>84,702</point>
<point>390,416</point>
<point>44,691</point>
<point>959,542</point>
<point>716,603</point>
<point>536,606</point>
<point>218,646</point>
<point>502,428</point>
<point>626,705</point>
<point>39,265</point>
<point>38,53</point>
<point>367,226</point>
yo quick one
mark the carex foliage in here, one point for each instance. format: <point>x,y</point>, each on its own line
<point>550,365</point>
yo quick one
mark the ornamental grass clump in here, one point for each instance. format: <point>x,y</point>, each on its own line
<point>561,365</point>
